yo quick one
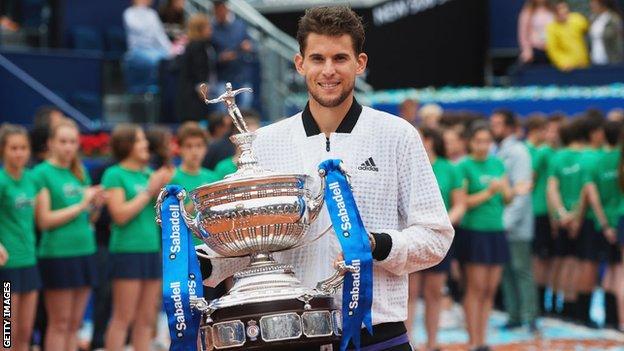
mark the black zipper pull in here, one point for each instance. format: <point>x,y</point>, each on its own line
<point>327,148</point>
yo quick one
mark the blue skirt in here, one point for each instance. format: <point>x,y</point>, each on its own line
<point>142,266</point>
<point>22,279</point>
<point>482,247</point>
<point>68,272</point>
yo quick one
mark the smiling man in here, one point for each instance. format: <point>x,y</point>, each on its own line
<point>393,183</point>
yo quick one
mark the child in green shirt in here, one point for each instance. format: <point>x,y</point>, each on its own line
<point>18,258</point>
<point>135,238</point>
<point>65,208</point>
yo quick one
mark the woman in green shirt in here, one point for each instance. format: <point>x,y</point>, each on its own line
<point>18,259</point>
<point>65,207</point>
<point>433,279</point>
<point>131,189</point>
<point>481,241</point>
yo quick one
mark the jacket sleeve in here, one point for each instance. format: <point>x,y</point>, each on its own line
<point>427,232</point>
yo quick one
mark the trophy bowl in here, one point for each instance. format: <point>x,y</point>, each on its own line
<point>242,216</point>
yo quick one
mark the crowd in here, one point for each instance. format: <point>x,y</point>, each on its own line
<point>538,207</point>
<point>203,50</point>
<point>549,32</point>
<point>70,231</point>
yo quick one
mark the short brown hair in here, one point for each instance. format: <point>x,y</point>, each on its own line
<point>332,21</point>
<point>122,140</point>
<point>191,130</point>
<point>535,121</point>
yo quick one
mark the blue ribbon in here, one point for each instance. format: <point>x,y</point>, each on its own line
<point>181,275</point>
<point>357,290</point>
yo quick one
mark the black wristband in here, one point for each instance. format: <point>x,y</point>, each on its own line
<point>383,246</point>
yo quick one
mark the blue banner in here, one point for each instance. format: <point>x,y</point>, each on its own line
<point>357,290</point>
<point>182,278</point>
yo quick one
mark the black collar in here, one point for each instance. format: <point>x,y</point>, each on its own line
<point>346,126</point>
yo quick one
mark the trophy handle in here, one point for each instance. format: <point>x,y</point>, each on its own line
<point>316,202</point>
<point>330,285</point>
<point>190,221</point>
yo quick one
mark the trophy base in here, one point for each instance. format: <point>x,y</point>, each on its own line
<point>275,325</point>
<point>269,309</point>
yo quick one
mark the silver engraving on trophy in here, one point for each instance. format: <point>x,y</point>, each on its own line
<point>317,324</point>
<point>228,334</point>
<point>255,212</point>
<point>280,327</point>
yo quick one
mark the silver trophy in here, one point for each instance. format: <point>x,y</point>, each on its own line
<point>255,212</point>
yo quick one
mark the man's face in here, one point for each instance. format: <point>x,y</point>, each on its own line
<point>221,12</point>
<point>330,65</point>
<point>498,127</point>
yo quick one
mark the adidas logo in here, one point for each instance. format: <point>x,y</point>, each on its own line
<point>369,165</point>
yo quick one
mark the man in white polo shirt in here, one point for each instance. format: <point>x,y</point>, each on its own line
<point>393,183</point>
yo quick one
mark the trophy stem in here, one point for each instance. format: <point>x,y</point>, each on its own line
<point>246,161</point>
<point>261,259</point>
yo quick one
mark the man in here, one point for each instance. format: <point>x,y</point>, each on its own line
<point>397,196</point>
<point>519,290</point>
<point>235,51</point>
<point>408,110</point>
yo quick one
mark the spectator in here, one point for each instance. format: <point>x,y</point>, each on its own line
<point>66,206</point>
<point>159,140</point>
<point>408,110</point>
<point>220,128</point>
<point>543,241</point>
<point>171,14</point>
<point>10,15</point>
<point>430,115</point>
<point>565,39</point>
<point>616,115</point>
<point>197,66</point>
<point>519,292</point>
<point>45,119</point>
<point>235,52</point>
<point>605,33</point>
<point>18,258</point>
<point>148,43</point>
<point>454,143</point>
<point>605,198</point>
<point>563,193</point>
<point>534,17</point>
<point>135,238</point>
<point>433,280</point>
<point>481,240</point>
<point>228,166</point>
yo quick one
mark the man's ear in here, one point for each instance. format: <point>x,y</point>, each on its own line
<point>362,60</point>
<point>299,63</point>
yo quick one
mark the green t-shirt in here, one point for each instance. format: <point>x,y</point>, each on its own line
<point>540,157</point>
<point>225,167</point>
<point>488,216</point>
<point>448,178</point>
<point>76,237</point>
<point>17,222</point>
<point>565,166</point>
<point>605,177</point>
<point>589,162</point>
<point>192,181</point>
<point>141,233</point>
